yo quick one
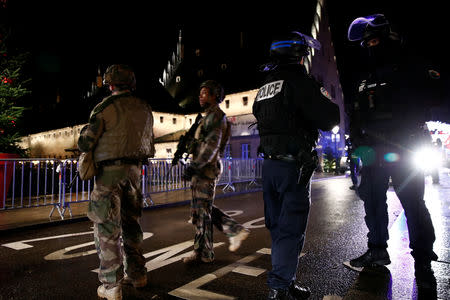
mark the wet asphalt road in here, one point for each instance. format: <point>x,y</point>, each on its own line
<point>59,262</point>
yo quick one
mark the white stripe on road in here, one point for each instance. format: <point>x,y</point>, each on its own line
<point>249,271</point>
<point>62,254</point>
<point>191,290</point>
<point>22,244</point>
<point>251,224</point>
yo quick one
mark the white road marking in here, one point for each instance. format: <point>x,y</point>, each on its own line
<point>20,245</point>
<point>250,224</point>
<point>267,251</point>
<point>62,254</point>
<point>249,271</point>
<point>191,290</point>
<point>233,213</point>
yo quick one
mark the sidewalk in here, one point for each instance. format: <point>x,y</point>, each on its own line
<point>28,217</point>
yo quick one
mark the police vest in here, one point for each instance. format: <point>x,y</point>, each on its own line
<point>279,129</point>
<point>393,97</point>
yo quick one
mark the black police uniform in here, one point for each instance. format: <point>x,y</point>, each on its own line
<point>386,127</point>
<point>289,108</point>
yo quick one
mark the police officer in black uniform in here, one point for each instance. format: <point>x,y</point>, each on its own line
<point>387,125</point>
<point>290,107</point>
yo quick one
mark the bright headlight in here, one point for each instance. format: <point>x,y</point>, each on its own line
<point>426,159</point>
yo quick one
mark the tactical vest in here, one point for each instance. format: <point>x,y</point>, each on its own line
<point>279,128</point>
<point>392,99</point>
<point>375,101</point>
<point>128,130</point>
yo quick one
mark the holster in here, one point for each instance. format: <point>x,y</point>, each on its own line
<point>308,162</point>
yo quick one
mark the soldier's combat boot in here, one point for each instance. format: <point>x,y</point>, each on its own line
<point>372,258</point>
<point>236,241</point>
<point>137,283</point>
<point>114,293</point>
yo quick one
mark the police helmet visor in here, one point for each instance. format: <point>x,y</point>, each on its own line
<point>359,27</point>
<point>302,40</point>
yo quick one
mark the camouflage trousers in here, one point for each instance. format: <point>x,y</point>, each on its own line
<point>115,208</point>
<point>204,214</point>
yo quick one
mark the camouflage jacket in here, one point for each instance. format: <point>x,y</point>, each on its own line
<point>121,126</point>
<point>211,137</point>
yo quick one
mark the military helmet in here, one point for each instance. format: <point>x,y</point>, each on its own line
<point>293,45</point>
<point>215,88</point>
<point>366,28</point>
<point>119,75</point>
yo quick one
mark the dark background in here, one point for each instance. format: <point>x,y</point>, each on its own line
<point>70,40</point>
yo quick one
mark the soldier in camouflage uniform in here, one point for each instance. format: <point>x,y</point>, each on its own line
<point>209,143</point>
<point>120,134</point>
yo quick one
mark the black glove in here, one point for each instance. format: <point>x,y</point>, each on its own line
<point>189,172</point>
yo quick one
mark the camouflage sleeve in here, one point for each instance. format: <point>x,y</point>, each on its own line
<point>209,146</point>
<point>90,133</point>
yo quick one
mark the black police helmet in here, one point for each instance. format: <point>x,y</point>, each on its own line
<point>294,45</point>
<point>366,28</point>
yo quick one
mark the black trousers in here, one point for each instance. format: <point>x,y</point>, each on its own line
<point>409,186</point>
<point>286,209</point>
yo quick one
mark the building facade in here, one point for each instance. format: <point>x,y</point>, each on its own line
<point>236,68</point>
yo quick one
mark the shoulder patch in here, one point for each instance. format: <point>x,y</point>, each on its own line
<point>269,90</point>
<point>325,92</point>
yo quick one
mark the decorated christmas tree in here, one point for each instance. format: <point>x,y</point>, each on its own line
<point>12,90</point>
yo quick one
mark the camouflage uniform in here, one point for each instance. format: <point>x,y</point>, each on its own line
<point>120,132</point>
<point>210,140</point>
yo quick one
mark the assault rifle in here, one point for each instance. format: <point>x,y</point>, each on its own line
<point>186,141</point>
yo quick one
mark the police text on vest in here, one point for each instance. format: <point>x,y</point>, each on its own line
<point>269,90</point>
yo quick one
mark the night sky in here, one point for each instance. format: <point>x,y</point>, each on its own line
<point>70,39</point>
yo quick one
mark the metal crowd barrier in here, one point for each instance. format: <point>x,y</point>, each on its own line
<point>37,182</point>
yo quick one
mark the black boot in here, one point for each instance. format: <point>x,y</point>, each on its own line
<point>372,258</point>
<point>280,294</point>
<point>299,292</point>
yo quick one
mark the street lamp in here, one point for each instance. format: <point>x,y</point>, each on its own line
<point>335,131</point>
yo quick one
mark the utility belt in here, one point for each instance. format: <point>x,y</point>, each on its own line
<point>119,162</point>
<point>307,163</point>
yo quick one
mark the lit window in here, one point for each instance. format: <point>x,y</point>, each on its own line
<point>178,79</point>
<point>190,121</point>
<point>161,119</point>
<point>245,151</point>
<point>197,52</point>
<point>200,73</point>
<point>245,101</point>
<point>223,67</point>
<point>227,103</point>
<point>174,120</point>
